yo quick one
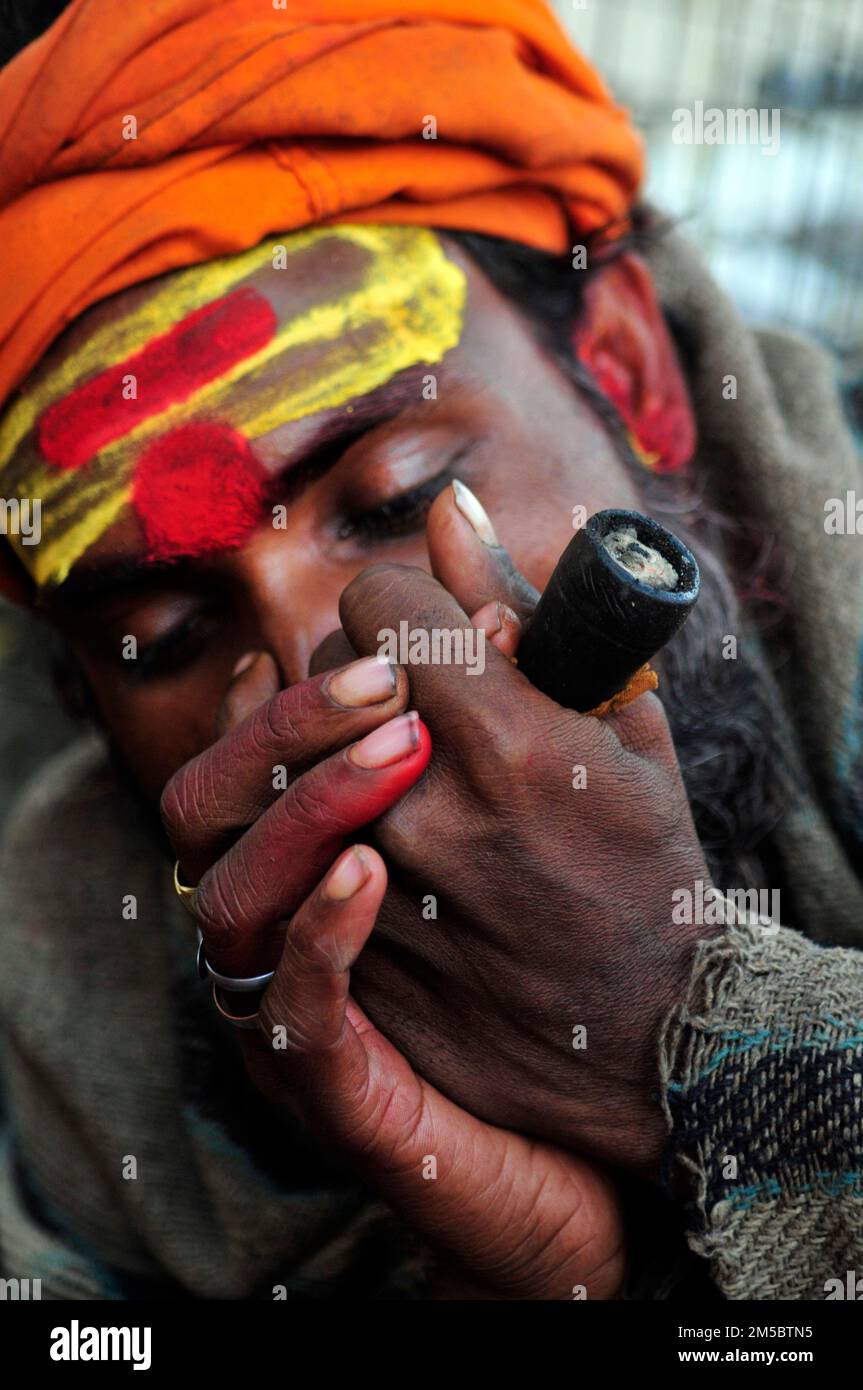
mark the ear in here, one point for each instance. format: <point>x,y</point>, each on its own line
<point>624,341</point>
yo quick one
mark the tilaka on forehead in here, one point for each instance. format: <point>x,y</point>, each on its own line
<point>170,369</point>
<point>76,442</point>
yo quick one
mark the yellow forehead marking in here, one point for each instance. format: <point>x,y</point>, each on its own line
<point>406,308</point>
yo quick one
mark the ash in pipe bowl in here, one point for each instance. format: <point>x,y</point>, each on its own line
<point>622,588</point>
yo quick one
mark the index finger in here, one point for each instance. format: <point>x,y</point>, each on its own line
<point>227,787</point>
<point>400,611</point>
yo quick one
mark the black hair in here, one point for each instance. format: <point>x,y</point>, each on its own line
<point>21,23</point>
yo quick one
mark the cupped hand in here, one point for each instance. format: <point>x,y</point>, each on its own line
<point>526,954</point>
<point>508,1217</point>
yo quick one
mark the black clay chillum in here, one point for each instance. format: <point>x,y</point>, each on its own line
<point>621,590</point>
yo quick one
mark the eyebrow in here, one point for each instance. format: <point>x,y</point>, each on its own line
<point>86,584</point>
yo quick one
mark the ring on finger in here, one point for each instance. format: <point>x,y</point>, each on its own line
<point>234,985</point>
<point>184,891</point>
<point>247,1021</point>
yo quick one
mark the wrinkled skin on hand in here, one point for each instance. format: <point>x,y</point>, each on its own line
<point>507,1216</point>
<point>553,904</point>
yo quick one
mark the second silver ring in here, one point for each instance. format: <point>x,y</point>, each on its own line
<point>245,985</point>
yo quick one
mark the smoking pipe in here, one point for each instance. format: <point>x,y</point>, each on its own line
<point>622,588</point>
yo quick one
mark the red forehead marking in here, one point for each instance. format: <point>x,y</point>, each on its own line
<point>201,347</point>
<point>198,488</point>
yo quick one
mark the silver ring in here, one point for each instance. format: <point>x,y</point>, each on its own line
<point>242,986</point>
<point>248,1022</point>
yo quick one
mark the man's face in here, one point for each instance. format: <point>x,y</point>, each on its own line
<point>350,484</point>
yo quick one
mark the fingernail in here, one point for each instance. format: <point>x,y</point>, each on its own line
<point>244,663</point>
<point>388,744</point>
<point>366,682</point>
<point>473,511</point>
<point>348,876</point>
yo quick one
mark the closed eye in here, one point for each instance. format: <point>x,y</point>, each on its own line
<point>175,647</point>
<point>397,516</point>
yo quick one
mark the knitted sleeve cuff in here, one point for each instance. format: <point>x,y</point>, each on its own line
<point>762,1071</point>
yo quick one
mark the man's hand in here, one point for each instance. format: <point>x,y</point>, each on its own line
<point>512,1218</point>
<point>552,843</point>
<point>534,995</point>
<point>259,817</point>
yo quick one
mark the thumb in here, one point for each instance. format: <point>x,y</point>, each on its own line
<point>467,558</point>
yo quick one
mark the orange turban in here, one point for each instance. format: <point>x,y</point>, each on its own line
<point>138,138</point>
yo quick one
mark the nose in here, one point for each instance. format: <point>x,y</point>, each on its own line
<point>292,594</point>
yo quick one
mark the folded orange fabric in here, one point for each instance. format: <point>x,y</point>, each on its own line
<point>135,139</point>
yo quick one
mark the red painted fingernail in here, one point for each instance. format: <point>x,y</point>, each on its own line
<point>389,744</point>
<point>347,876</point>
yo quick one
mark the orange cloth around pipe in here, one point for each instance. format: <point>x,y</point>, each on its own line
<point>253,119</point>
